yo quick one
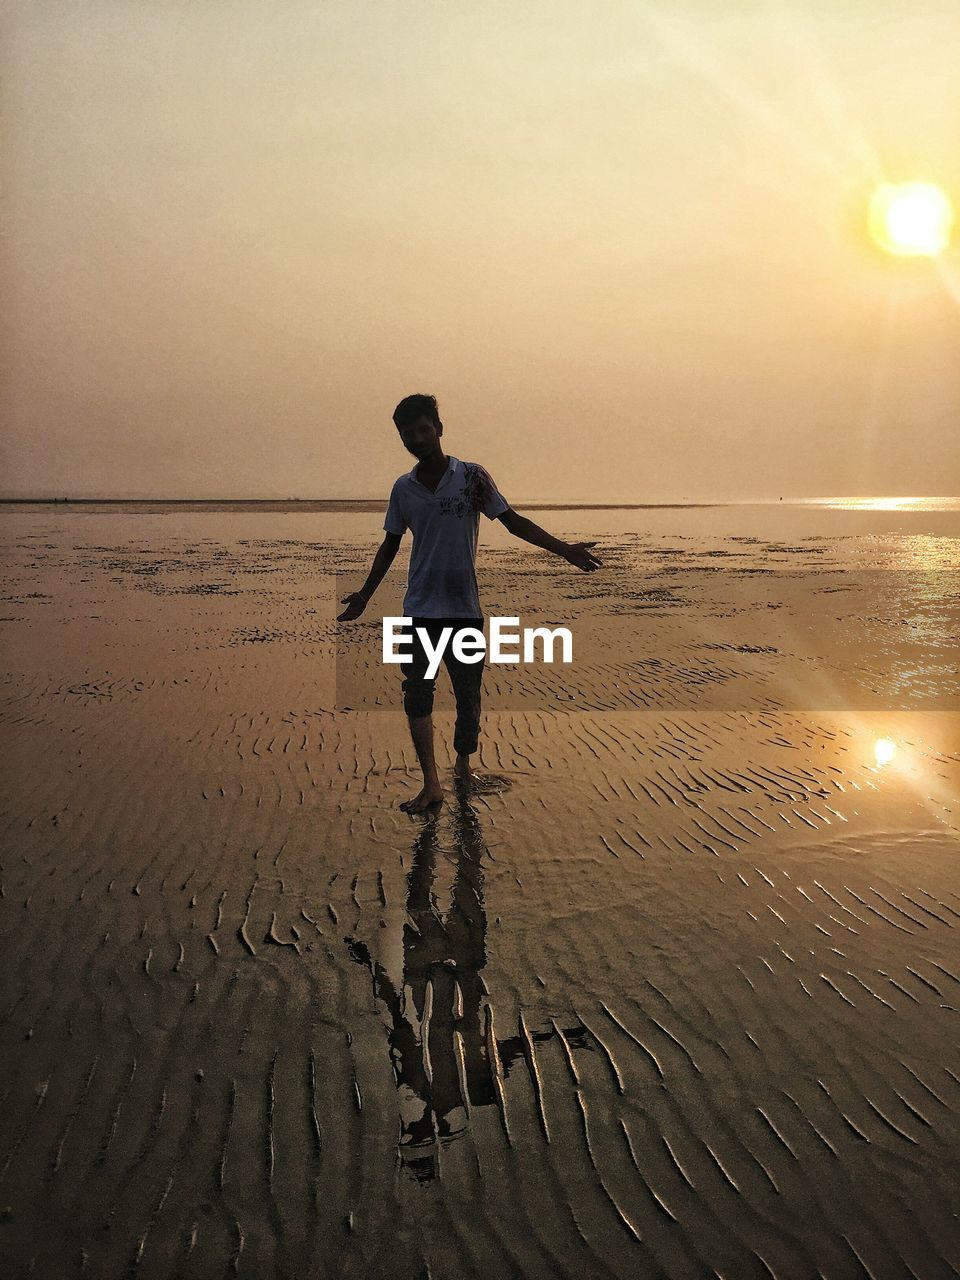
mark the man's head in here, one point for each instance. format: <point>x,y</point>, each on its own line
<point>417,419</point>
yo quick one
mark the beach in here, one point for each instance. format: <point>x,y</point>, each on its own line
<point>674,992</point>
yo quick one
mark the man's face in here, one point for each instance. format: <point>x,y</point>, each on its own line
<point>421,436</point>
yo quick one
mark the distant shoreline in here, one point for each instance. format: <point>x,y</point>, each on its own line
<point>928,503</point>
<point>337,504</point>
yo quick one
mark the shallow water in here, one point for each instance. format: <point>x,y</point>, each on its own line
<point>674,992</point>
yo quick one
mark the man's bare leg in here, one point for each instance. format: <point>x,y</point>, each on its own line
<point>421,730</point>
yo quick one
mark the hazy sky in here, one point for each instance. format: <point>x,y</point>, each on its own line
<point>622,243</point>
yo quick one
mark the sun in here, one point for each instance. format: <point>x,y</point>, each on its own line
<point>911,219</point>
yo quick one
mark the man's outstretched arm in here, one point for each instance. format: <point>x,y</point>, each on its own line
<point>577,553</point>
<point>356,601</point>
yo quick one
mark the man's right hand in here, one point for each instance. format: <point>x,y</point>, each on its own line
<point>579,554</point>
<point>355,603</point>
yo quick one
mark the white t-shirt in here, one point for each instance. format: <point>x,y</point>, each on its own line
<point>442,581</point>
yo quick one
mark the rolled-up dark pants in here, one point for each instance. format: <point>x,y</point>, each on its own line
<point>466,678</point>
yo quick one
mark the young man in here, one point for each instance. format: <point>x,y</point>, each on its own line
<point>440,500</point>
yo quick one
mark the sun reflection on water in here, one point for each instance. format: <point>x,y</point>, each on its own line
<point>884,749</point>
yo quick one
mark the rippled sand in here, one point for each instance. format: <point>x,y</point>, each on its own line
<point>675,992</point>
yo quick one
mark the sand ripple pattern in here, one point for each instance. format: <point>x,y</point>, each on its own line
<point>672,994</point>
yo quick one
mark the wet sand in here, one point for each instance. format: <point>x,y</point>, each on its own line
<point>675,993</point>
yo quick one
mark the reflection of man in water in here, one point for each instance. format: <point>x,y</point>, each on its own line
<point>438,1006</point>
<point>440,501</point>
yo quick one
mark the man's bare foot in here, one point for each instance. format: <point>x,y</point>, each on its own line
<point>431,794</point>
<point>463,772</point>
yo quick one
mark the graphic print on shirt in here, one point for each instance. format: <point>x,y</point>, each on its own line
<point>477,489</point>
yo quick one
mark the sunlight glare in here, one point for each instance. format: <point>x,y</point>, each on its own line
<point>911,219</point>
<point>884,749</point>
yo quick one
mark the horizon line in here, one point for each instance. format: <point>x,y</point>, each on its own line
<point>529,502</point>
<point>376,502</point>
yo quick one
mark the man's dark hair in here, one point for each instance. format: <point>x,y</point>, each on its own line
<point>413,407</point>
